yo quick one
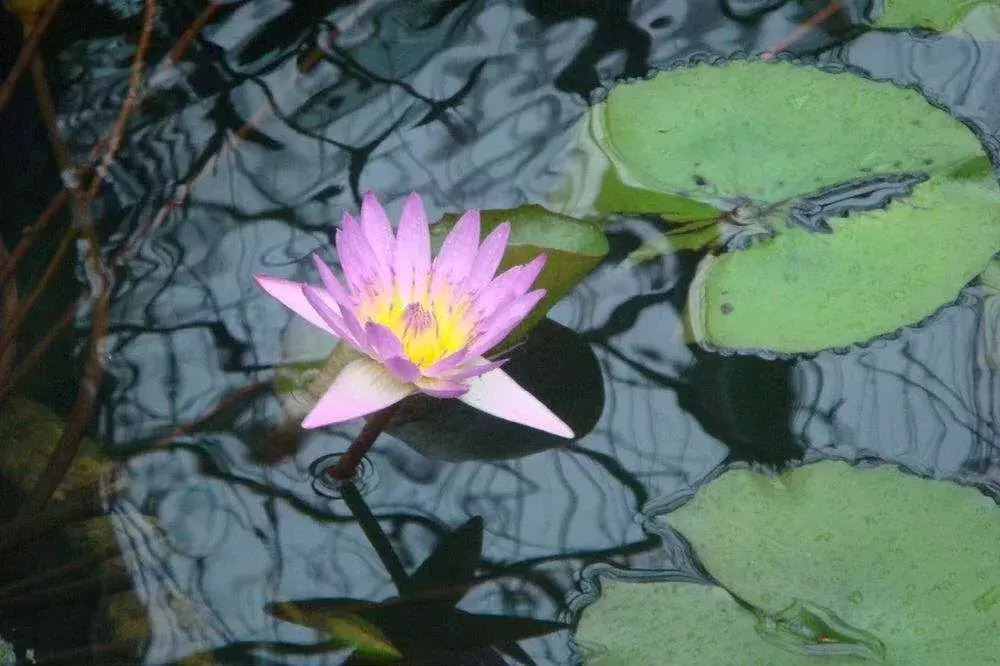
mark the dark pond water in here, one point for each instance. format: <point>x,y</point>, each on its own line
<point>471,104</point>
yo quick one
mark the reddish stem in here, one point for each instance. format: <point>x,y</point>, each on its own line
<point>347,466</point>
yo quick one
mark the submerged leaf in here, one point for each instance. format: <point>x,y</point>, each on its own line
<point>346,627</point>
<point>448,572</point>
<point>816,631</point>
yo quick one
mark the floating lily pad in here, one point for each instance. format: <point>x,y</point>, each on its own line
<point>640,623</point>
<point>938,15</point>
<point>914,562</point>
<point>867,208</point>
<point>877,271</point>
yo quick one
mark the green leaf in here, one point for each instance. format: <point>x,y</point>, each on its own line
<point>617,197</point>
<point>909,560</point>
<point>448,572</point>
<point>573,247</point>
<point>341,625</point>
<point>938,15</point>
<point>761,140</point>
<point>678,623</point>
<point>878,271</point>
<point>770,131</point>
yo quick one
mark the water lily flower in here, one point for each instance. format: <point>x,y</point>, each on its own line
<point>423,326</point>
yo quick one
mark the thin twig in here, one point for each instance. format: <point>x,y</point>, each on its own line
<point>27,53</point>
<point>134,86</point>
<point>86,397</point>
<point>37,352</point>
<point>84,504</point>
<point>10,297</point>
<point>83,565</point>
<point>184,43</point>
<point>31,234</point>
<point>801,31</point>
<point>17,319</point>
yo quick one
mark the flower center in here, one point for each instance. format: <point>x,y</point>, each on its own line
<point>416,319</point>
<point>430,329</point>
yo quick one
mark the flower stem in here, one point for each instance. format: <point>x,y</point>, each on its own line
<point>376,537</point>
<point>347,466</point>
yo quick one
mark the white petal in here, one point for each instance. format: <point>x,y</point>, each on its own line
<point>362,387</point>
<point>498,394</point>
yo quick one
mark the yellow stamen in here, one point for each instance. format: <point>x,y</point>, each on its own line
<point>429,328</point>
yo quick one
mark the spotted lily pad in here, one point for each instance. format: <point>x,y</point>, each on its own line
<point>865,208</point>
<point>911,561</point>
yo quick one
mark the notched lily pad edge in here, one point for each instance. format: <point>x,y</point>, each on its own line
<point>588,587</point>
<point>588,592</point>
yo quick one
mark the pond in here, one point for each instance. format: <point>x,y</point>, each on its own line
<point>771,322</point>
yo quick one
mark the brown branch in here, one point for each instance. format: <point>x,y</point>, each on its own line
<point>8,382</point>
<point>81,504</point>
<point>31,234</point>
<point>17,319</point>
<point>134,85</point>
<point>27,53</point>
<point>184,43</point>
<point>10,297</point>
<point>83,565</point>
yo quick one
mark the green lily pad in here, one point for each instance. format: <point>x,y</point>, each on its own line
<point>938,15</point>
<point>761,141</point>
<point>877,271</point>
<point>573,248</point>
<point>911,561</point>
<point>639,623</point>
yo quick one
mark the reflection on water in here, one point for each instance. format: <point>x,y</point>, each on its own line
<point>472,105</point>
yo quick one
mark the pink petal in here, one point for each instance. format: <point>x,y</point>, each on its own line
<point>413,250</point>
<point>480,367</point>
<point>362,387</point>
<point>493,331</point>
<point>458,252</point>
<point>331,283</point>
<point>290,295</point>
<point>442,388</point>
<point>498,394</point>
<point>356,273</point>
<point>488,259</point>
<point>343,325</point>
<point>507,287</point>
<point>367,268</point>
<point>377,230</point>
<point>447,364</point>
<point>403,369</point>
<point>383,341</point>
